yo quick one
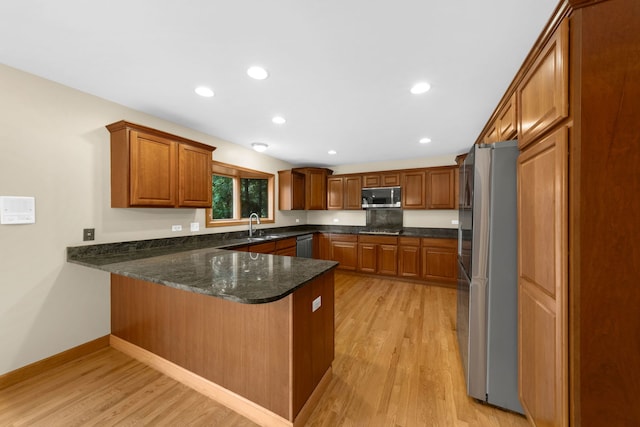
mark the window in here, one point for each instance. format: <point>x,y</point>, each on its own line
<point>237,193</point>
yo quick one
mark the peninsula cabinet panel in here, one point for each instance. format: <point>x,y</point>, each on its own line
<point>441,187</point>
<point>542,280</point>
<point>413,190</point>
<point>544,90</point>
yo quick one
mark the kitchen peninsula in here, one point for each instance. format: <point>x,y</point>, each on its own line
<point>257,330</point>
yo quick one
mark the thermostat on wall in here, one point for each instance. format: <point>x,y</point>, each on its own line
<point>17,210</point>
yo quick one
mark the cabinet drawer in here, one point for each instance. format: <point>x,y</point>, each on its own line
<point>439,243</point>
<point>286,243</point>
<point>409,241</point>
<point>263,248</point>
<point>344,237</point>
<point>379,240</point>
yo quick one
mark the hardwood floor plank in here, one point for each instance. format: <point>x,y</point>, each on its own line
<point>397,364</point>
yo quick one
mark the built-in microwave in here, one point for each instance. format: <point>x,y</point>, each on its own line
<point>381,197</point>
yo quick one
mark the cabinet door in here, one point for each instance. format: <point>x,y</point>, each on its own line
<point>344,249</point>
<point>387,260</point>
<point>371,180</point>
<point>152,170</point>
<point>316,189</point>
<point>441,192</point>
<point>491,135</point>
<point>322,246</point>
<point>194,177</point>
<point>439,257</point>
<point>542,280</point>
<point>367,260</point>
<point>291,190</point>
<point>413,190</point>
<point>543,93</point>
<point>409,261</point>
<point>352,192</point>
<point>335,193</point>
<point>507,126</point>
<point>389,179</point>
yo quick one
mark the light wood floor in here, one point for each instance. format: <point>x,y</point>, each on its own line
<point>396,364</point>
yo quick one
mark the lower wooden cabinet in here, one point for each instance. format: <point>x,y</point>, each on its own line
<point>344,249</point>
<point>439,258</point>
<point>378,255</point>
<point>427,259</point>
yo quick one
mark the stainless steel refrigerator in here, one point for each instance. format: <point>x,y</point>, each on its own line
<point>487,274</point>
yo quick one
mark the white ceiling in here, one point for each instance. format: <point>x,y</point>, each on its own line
<point>340,70</point>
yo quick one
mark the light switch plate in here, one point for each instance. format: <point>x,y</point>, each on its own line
<point>316,303</point>
<point>195,226</point>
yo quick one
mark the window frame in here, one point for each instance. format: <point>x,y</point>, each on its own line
<point>237,172</point>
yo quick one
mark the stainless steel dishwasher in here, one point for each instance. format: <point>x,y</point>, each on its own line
<point>304,247</point>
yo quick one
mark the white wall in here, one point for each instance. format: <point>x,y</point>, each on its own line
<point>411,218</point>
<point>54,146</point>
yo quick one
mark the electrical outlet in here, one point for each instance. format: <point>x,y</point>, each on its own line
<point>88,234</point>
<point>195,226</point>
<point>176,228</point>
<point>454,221</point>
<point>297,219</point>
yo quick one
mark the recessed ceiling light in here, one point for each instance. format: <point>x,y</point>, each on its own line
<point>257,73</point>
<point>278,120</point>
<point>259,146</point>
<point>204,91</point>
<point>425,140</point>
<point>332,152</point>
<point>419,88</point>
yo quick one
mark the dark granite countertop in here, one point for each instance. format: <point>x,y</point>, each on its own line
<point>244,277</point>
<point>201,264</point>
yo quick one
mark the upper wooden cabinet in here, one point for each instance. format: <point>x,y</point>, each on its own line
<point>303,189</point>
<point>507,121</point>
<point>381,179</point>
<point>441,187</point>
<point>544,91</point>
<point>151,168</point>
<point>413,189</point>
<point>344,192</point>
<point>291,190</point>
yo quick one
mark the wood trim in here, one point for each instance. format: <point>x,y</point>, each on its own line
<point>124,125</point>
<point>44,365</point>
<point>208,388</point>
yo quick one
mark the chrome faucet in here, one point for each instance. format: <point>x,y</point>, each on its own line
<point>251,222</point>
